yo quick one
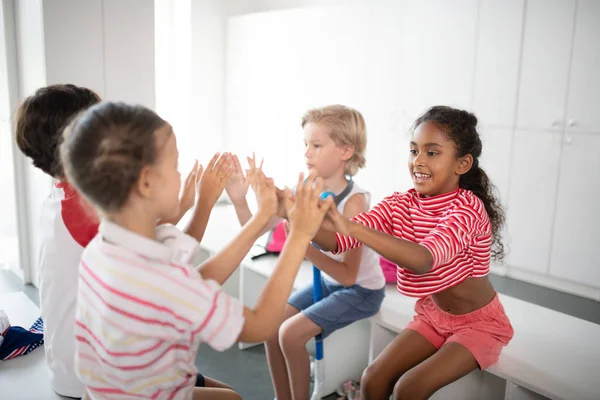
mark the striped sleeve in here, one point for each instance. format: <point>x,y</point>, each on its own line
<point>378,218</point>
<point>222,324</point>
<point>453,233</point>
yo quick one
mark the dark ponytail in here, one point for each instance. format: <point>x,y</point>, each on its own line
<point>461,127</point>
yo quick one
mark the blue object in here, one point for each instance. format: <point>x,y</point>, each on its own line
<point>318,292</point>
<point>324,195</point>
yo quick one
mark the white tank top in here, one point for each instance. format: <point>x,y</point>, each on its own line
<point>370,274</point>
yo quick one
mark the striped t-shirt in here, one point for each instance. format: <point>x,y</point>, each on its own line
<point>454,227</point>
<point>141,317</point>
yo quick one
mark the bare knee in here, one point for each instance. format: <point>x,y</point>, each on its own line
<point>235,395</point>
<point>289,340</point>
<point>375,382</point>
<point>273,340</point>
<point>370,378</point>
<point>411,386</point>
<point>289,312</point>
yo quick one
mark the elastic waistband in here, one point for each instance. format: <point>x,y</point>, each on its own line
<point>493,306</point>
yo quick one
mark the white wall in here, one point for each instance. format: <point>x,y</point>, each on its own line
<point>106,45</point>
<point>190,55</point>
<point>173,69</point>
<point>34,184</point>
<point>240,7</point>
<point>281,63</point>
<point>208,78</point>
<point>10,251</point>
<point>519,65</point>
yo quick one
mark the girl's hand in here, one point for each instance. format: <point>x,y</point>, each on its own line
<point>211,182</point>
<point>334,221</point>
<point>188,196</point>
<point>237,187</point>
<point>263,187</point>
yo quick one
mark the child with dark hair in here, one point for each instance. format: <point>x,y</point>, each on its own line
<point>442,235</point>
<point>143,310</point>
<point>65,228</point>
<point>68,223</point>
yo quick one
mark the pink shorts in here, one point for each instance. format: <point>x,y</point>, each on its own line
<point>483,332</point>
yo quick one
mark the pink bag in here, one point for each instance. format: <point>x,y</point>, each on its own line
<point>389,270</point>
<point>276,239</point>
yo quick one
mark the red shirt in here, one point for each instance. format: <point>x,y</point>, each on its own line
<point>79,217</point>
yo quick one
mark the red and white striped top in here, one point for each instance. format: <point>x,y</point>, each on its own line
<point>454,227</point>
<point>141,317</point>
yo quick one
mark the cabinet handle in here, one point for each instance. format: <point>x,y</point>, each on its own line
<point>556,123</point>
<point>568,140</point>
<point>572,123</point>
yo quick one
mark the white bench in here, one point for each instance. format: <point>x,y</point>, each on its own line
<point>25,377</point>
<point>552,355</point>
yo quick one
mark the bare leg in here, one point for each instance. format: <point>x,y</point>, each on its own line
<point>408,349</point>
<point>276,361</point>
<point>209,393</point>
<point>451,362</point>
<point>293,336</point>
<point>213,383</point>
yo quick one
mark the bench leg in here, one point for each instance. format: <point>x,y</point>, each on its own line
<point>380,338</point>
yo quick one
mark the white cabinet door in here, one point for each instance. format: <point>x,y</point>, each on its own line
<point>497,62</point>
<point>583,106</point>
<point>576,244</point>
<point>545,64</point>
<point>438,45</point>
<point>532,198</point>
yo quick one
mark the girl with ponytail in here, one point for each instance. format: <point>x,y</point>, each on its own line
<point>442,234</point>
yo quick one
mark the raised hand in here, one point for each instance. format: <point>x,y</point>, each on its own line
<point>263,187</point>
<point>188,196</point>
<point>210,182</point>
<point>237,186</point>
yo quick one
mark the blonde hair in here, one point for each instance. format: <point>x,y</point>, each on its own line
<point>347,127</point>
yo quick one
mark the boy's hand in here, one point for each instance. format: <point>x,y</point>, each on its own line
<point>188,197</point>
<point>306,210</point>
<point>211,182</point>
<point>237,187</point>
<point>263,188</point>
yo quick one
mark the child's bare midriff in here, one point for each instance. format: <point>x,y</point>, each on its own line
<point>468,296</point>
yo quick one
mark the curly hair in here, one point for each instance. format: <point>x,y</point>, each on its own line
<point>461,127</point>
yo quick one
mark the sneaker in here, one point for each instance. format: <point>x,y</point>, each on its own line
<point>349,390</point>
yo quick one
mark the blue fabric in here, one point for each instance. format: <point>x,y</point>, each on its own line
<point>340,305</point>
<point>19,341</point>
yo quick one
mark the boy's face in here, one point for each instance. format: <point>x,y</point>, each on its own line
<point>322,156</point>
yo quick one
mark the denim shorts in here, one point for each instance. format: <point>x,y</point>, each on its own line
<point>340,305</point>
